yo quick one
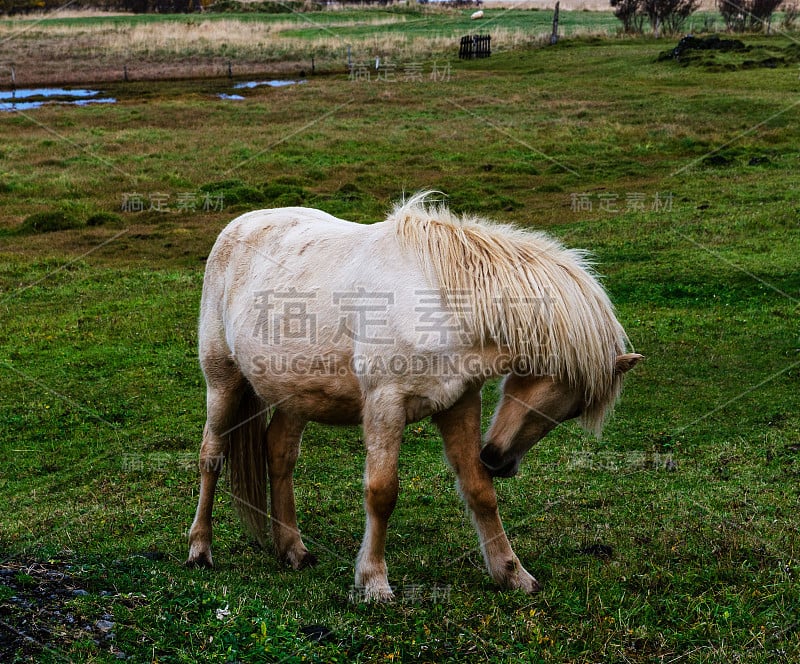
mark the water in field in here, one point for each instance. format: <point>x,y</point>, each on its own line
<point>30,98</point>
<point>272,84</point>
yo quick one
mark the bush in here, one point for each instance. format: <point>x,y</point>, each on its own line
<point>103,219</point>
<point>668,16</point>
<point>665,16</point>
<point>747,15</point>
<point>267,7</point>
<point>790,13</point>
<point>628,12</point>
<point>48,222</point>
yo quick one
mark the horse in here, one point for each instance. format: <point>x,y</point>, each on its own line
<point>313,318</point>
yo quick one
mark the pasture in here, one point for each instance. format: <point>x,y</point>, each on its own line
<point>672,538</point>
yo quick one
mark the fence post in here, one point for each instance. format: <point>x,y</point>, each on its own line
<point>13,79</point>
<point>554,34</point>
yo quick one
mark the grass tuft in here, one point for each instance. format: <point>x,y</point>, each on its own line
<point>49,222</point>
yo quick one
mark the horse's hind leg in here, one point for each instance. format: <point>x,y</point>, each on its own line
<point>225,386</point>
<point>461,430</point>
<point>283,448</point>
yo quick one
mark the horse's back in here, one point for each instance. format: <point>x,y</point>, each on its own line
<point>248,231</point>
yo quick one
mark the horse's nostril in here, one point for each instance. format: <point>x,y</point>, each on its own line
<point>490,457</point>
<point>496,463</point>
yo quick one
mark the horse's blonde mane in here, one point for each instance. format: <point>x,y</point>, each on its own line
<point>523,292</point>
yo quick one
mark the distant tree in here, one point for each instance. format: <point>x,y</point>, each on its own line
<point>790,13</point>
<point>668,16</point>
<point>665,16</point>
<point>628,11</point>
<point>747,15</point>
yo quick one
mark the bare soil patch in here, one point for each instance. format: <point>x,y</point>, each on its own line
<point>41,611</point>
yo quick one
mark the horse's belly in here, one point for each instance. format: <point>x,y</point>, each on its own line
<point>330,399</point>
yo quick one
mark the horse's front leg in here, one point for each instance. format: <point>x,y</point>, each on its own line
<point>383,432</point>
<point>460,427</point>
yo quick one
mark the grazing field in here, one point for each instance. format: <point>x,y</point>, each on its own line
<point>674,538</point>
<point>99,48</point>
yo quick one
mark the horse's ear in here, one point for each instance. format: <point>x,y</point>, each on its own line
<point>626,362</point>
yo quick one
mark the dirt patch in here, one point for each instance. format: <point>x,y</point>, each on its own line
<point>44,609</point>
<point>30,71</point>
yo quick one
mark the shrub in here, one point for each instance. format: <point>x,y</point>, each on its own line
<point>664,16</point>
<point>235,192</point>
<point>628,12</point>
<point>103,218</point>
<point>237,7</point>
<point>668,16</point>
<point>48,222</point>
<point>790,13</point>
<point>747,15</point>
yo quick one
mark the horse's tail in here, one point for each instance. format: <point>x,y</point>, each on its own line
<point>247,464</point>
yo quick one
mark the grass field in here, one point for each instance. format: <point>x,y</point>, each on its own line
<point>99,48</point>
<point>674,538</point>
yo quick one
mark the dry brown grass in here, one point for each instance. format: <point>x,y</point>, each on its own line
<point>46,51</point>
<point>107,45</point>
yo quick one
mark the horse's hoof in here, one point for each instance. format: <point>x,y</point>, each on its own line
<point>526,583</point>
<point>308,560</point>
<point>515,577</point>
<point>379,595</point>
<point>300,560</point>
<point>201,560</point>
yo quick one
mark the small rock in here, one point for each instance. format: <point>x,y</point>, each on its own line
<point>104,625</point>
<point>80,592</point>
<point>602,551</point>
<point>153,555</point>
<point>670,466</point>
<point>317,633</point>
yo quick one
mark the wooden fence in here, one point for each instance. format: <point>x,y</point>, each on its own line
<point>475,46</point>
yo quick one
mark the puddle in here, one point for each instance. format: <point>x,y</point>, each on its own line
<point>272,84</point>
<point>30,98</point>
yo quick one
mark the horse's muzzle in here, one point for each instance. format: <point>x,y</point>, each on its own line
<point>496,464</point>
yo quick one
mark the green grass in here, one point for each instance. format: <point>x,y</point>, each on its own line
<point>693,489</point>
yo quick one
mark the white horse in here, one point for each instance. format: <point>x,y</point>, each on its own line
<point>313,318</point>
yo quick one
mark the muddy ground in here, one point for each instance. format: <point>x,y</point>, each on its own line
<point>32,69</point>
<point>46,611</point>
